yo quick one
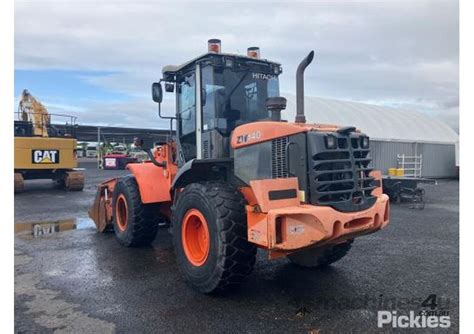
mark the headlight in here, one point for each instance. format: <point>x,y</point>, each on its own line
<point>331,142</point>
<point>364,142</point>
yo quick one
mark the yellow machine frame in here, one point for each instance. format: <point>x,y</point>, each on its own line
<point>25,146</point>
<point>39,155</point>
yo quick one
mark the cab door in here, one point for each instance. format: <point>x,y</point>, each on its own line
<point>186,102</point>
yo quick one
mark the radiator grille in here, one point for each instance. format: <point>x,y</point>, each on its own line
<point>279,163</point>
<point>340,177</point>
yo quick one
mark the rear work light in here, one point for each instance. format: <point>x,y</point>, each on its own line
<point>214,45</point>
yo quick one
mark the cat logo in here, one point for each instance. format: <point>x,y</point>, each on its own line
<point>45,156</point>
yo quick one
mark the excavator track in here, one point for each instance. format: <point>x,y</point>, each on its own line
<point>19,183</point>
<point>74,181</point>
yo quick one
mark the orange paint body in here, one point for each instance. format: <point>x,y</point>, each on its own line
<point>294,227</point>
<point>256,132</point>
<point>155,182</point>
<point>286,225</point>
<point>282,225</point>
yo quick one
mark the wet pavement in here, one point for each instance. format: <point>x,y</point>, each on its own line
<point>68,278</point>
<point>42,202</point>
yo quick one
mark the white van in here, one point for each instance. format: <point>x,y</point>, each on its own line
<point>91,152</point>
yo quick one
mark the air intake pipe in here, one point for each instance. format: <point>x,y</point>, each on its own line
<point>300,117</point>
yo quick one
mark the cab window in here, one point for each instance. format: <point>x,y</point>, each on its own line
<point>187,104</point>
<point>234,97</point>
<point>187,115</point>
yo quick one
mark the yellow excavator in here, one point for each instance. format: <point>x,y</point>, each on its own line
<point>43,151</point>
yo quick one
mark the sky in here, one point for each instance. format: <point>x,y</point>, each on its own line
<point>97,59</point>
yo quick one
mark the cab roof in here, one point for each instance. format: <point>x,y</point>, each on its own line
<point>171,70</point>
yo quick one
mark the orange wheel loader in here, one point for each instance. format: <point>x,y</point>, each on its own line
<point>236,177</point>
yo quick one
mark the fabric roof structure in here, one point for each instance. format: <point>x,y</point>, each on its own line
<point>379,122</point>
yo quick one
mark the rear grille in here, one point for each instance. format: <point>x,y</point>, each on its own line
<point>340,177</point>
<point>279,163</point>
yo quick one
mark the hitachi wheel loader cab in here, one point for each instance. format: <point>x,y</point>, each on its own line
<point>236,177</point>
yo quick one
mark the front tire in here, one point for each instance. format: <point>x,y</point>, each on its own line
<point>321,256</point>
<point>210,237</point>
<point>135,223</point>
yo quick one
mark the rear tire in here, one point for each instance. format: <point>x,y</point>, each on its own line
<point>68,180</point>
<point>218,257</point>
<point>321,256</point>
<point>74,181</point>
<point>135,223</point>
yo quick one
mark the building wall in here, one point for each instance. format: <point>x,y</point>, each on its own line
<point>438,159</point>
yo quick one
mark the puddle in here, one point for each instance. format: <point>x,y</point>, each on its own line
<point>38,229</point>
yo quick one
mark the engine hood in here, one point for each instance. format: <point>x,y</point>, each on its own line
<point>257,132</point>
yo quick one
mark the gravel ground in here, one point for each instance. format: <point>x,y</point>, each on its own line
<point>82,281</point>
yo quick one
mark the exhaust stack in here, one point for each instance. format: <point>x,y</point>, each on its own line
<point>300,117</point>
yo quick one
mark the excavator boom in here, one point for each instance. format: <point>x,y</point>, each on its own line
<point>32,110</point>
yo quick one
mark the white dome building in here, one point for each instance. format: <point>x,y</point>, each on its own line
<point>393,132</point>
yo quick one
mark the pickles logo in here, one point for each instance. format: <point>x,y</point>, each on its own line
<point>45,156</point>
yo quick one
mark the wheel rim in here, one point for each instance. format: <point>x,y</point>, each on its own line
<point>195,237</point>
<point>121,212</point>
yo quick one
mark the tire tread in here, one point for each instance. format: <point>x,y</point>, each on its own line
<point>143,224</point>
<point>236,255</point>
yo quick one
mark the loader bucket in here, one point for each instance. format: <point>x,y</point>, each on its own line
<point>101,210</point>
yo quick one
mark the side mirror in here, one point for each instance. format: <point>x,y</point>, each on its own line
<point>157,92</point>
